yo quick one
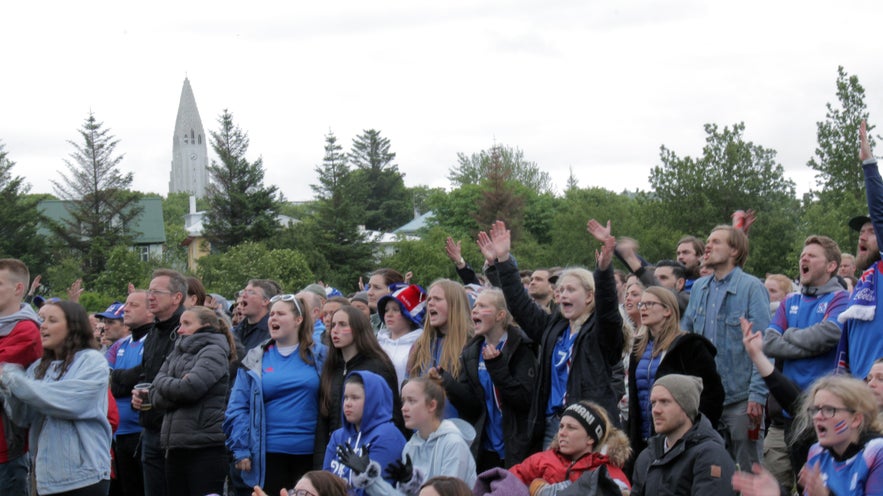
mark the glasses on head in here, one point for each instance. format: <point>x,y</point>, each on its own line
<point>827,411</point>
<point>299,492</point>
<point>154,292</point>
<point>288,297</point>
<point>649,304</point>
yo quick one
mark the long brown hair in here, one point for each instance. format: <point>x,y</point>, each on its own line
<point>79,337</point>
<point>671,326</point>
<point>208,317</point>
<point>459,331</point>
<point>366,346</point>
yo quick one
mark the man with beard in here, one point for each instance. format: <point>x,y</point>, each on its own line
<point>690,252</point>
<point>861,343</point>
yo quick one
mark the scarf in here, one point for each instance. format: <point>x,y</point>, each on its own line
<point>863,301</point>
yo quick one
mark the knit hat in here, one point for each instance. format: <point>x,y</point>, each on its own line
<point>685,389</point>
<point>361,296</point>
<point>114,311</point>
<point>411,300</point>
<point>589,418</point>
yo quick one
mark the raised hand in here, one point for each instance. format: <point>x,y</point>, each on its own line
<point>604,257</point>
<point>753,342</point>
<point>400,472</point>
<point>347,456</point>
<point>760,483</point>
<point>811,480</point>
<point>453,251</point>
<point>35,285</point>
<point>408,276</point>
<point>74,292</point>
<point>486,245</point>
<point>865,150</point>
<point>502,239</point>
<point>601,233</point>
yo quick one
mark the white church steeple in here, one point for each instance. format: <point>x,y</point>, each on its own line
<point>189,151</point>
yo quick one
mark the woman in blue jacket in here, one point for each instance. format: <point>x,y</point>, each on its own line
<point>367,425</point>
<point>271,416</point>
<point>63,398</point>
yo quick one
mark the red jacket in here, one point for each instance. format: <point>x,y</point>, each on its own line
<point>552,467</point>
<point>22,346</point>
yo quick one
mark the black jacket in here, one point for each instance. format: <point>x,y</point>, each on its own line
<point>698,463</point>
<point>191,387</point>
<point>689,354</point>
<point>597,350</point>
<point>514,375</point>
<point>252,335</point>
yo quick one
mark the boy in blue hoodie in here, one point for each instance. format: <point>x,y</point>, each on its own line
<point>367,425</point>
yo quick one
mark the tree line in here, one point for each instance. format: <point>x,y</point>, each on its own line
<point>364,187</point>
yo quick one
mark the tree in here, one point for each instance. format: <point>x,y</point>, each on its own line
<point>240,207</point>
<point>100,204</point>
<point>477,167</point>
<point>380,191</point>
<point>18,231</point>
<point>499,200</point>
<point>695,194</point>
<point>840,178</point>
<point>228,272</point>
<point>338,238</point>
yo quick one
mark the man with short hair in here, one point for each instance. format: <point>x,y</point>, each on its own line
<point>802,338</point>
<point>686,456</point>
<point>716,303</point>
<point>20,343</point>
<point>314,295</point>
<point>123,356</point>
<point>541,290</point>
<point>847,265</point>
<point>690,252</point>
<point>255,308</point>
<point>165,300</point>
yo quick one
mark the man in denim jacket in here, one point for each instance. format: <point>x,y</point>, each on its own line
<point>716,303</point>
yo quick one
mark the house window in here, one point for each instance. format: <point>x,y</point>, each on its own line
<point>144,253</point>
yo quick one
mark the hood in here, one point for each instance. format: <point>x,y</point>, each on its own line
<point>378,403</point>
<point>25,312</point>
<point>383,337</point>
<point>255,357</point>
<point>689,337</point>
<point>201,338</point>
<point>448,427</point>
<point>829,287</point>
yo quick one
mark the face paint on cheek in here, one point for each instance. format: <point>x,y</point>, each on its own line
<point>841,427</point>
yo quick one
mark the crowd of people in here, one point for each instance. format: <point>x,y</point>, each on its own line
<point>688,376</point>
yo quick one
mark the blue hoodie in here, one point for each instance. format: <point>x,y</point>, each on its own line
<point>377,430</point>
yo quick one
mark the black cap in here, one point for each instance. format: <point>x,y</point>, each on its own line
<point>856,223</point>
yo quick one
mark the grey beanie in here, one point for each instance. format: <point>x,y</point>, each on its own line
<point>685,389</point>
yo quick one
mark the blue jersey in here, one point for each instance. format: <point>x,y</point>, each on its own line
<point>128,355</point>
<point>861,474</point>
<point>291,402</point>
<point>801,311</point>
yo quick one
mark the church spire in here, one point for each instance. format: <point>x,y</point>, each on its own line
<point>189,150</point>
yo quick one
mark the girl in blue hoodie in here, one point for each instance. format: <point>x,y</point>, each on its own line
<point>367,425</point>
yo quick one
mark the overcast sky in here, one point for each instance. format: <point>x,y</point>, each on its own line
<point>593,85</point>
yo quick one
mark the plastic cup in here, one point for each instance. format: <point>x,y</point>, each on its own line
<point>143,391</point>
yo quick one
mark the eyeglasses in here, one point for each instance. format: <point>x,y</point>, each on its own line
<point>649,304</point>
<point>299,492</point>
<point>154,292</point>
<point>288,297</point>
<point>251,292</point>
<point>827,411</point>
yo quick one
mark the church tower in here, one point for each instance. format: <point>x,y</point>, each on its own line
<point>189,151</point>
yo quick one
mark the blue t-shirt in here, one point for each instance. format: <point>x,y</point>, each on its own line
<point>860,474</point>
<point>801,311</point>
<point>561,359</point>
<point>128,355</point>
<point>492,438</point>
<point>291,402</point>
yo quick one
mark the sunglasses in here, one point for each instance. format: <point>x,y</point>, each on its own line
<point>289,298</point>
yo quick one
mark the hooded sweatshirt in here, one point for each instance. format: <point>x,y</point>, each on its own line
<point>382,438</point>
<point>444,452</point>
<point>398,350</point>
<point>20,343</point>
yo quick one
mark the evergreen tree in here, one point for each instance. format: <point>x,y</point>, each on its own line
<point>338,238</point>
<point>100,204</point>
<point>18,230</point>
<point>477,167</point>
<point>840,178</point>
<point>380,187</point>
<point>240,207</point>
<point>499,200</point>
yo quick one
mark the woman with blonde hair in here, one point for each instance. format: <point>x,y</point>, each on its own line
<point>848,457</point>
<point>446,329</point>
<point>662,348</point>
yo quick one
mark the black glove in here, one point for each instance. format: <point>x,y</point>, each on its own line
<point>400,472</point>
<point>348,457</point>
